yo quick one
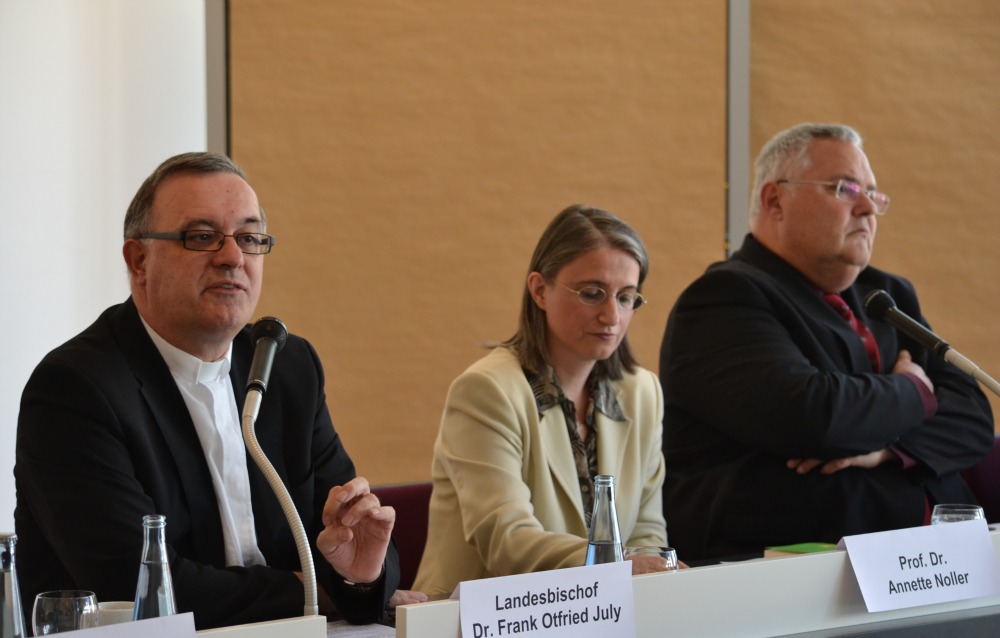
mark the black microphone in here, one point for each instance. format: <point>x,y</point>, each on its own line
<point>268,336</point>
<point>880,306</point>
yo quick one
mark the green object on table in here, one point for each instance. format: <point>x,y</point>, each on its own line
<point>803,548</point>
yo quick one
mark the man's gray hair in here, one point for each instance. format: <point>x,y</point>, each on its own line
<point>787,154</point>
<point>138,219</point>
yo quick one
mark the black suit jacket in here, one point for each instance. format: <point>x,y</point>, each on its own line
<point>104,437</point>
<point>757,369</point>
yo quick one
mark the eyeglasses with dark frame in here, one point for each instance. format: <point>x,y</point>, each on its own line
<point>213,240</point>
<point>595,296</point>
<point>849,191</point>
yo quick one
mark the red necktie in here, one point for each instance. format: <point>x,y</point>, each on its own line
<point>867,338</point>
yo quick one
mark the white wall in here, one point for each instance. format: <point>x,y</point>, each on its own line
<point>93,95</point>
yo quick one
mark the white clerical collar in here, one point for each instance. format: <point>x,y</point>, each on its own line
<point>187,366</point>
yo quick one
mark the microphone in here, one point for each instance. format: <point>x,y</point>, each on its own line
<point>268,336</point>
<point>881,307</point>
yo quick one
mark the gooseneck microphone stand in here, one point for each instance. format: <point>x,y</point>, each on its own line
<point>268,336</point>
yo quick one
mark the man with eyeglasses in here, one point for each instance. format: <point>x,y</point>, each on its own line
<point>139,414</point>
<point>789,415</point>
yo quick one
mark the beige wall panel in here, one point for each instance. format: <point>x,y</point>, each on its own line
<point>921,82</point>
<point>410,154</point>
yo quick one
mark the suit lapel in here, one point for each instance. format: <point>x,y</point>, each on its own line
<point>836,338</point>
<point>847,342</point>
<point>171,418</point>
<point>612,436</point>
<point>559,452</point>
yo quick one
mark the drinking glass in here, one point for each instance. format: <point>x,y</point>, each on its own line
<point>953,513</point>
<point>649,559</point>
<point>66,610</point>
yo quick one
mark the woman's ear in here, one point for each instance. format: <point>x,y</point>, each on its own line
<point>537,289</point>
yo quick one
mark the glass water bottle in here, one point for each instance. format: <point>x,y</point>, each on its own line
<point>12,622</point>
<point>154,593</point>
<point>605,539</point>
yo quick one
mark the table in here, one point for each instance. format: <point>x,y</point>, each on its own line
<point>808,596</point>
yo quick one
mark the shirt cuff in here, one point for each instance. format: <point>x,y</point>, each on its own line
<point>364,588</point>
<point>926,396</point>
<point>907,460</point>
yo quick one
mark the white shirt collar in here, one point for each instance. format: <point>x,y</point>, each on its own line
<point>187,366</point>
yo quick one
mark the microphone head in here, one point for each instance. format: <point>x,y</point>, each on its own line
<point>877,303</point>
<point>269,328</point>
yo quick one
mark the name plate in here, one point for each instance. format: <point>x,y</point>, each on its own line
<point>584,602</point>
<point>924,565</point>
<point>176,626</point>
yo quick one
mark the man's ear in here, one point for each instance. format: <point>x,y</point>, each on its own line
<point>134,252</point>
<point>537,289</point>
<point>770,201</point>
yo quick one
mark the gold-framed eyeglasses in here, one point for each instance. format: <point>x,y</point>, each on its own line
<point>595,295</point>
<point>213,240</point>
<point>849,191</point>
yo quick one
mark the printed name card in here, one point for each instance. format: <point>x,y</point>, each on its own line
<point>924,565</point>
<point>582,602</point>
<point>176,626</point>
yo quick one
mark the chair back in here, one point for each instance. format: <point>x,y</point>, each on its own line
<point>411,502</point>
<point>984,481</point>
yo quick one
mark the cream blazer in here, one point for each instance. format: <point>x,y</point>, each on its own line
<point>506,496</point>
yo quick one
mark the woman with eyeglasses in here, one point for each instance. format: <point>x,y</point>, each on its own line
<point>527,428</point>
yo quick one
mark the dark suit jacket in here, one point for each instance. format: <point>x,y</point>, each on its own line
<point>104,438</point>
<point>757,369</point>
